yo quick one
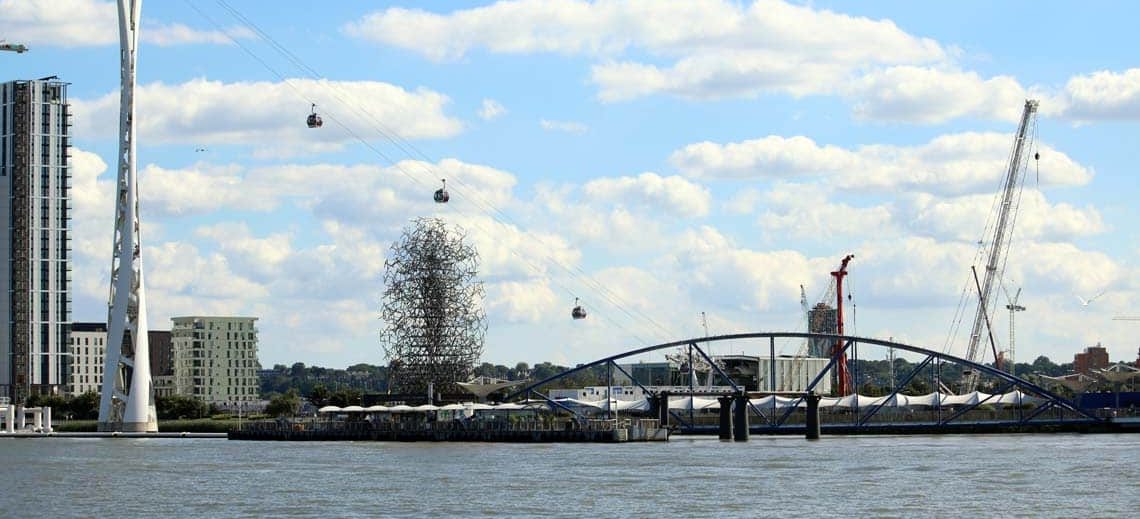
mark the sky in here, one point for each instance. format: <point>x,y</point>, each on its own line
<point>680,167</point>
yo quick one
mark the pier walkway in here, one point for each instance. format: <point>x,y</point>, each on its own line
<point>531,431</point>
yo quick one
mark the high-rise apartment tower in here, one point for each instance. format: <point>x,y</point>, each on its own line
<point>35,283</point>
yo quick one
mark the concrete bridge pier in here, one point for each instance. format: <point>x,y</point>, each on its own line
<point>740,421</point>
<point>812,422</point>
<point>725,417</point>
<point>662,400</point>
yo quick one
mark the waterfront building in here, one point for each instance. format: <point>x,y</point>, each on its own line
<point>215,359</point>
<point>35,177</point>
<point>88,346</point>
<point>1094,357</point>
<point>87,350</point>
<point>161,362</point>
<point>822,319</point>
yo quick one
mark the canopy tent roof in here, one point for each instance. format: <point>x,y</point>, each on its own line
<point>403,408</point>
<point>1119,372</point>
<point>483,386</point>
<point>685,403</point>
<point>1075,381</point>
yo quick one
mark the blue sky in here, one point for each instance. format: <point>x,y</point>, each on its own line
<point>656,159</point>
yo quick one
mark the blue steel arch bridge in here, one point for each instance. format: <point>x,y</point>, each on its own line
<point>1036,408</point>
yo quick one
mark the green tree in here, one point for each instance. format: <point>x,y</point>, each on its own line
<point>180,406</point>
<point>917,387</point>
<point>319,395</point>
<point>285,404</point>
<point>345,397</point>
<point>85,406</point>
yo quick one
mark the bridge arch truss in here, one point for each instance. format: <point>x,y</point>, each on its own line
<point>1051,409</point>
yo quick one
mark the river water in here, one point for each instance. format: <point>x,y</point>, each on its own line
<point>877,476</point>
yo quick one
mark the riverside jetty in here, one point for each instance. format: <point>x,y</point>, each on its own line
<point>512,431</point>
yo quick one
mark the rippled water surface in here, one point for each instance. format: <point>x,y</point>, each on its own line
<point>903,476</point>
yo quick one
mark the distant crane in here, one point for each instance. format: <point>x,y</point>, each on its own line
<point>999,247</point>
<point>844,378</point>
<point>13,47</point>
<point>798,360</point>
<point>1013,308</point>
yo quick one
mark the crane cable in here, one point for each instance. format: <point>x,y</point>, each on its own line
<point>411,150</point>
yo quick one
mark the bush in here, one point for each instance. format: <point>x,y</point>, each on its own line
<point>180,407</point>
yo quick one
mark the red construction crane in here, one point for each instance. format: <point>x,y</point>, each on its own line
<point>844,377</point>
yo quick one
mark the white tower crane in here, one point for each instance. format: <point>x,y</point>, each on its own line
<point>1013,308</point>
<point>999,246</point>
<point>798,361</point>
<point>127,401</point>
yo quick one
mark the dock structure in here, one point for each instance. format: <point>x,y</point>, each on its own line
<point>527,431</point>
<point>14,419</point>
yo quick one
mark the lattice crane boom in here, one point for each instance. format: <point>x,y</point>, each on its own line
<point>998,245</point>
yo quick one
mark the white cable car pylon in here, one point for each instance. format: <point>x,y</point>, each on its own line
<point>127,400</point>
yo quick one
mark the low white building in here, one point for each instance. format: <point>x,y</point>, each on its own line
<point>215,359</point>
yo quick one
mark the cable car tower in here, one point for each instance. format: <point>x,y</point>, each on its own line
<point>127,400</point>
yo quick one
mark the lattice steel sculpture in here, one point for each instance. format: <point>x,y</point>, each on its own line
<point>432,308</point>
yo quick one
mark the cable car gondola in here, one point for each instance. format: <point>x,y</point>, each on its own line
<point>441,196</point>
<point>314,120</point>
<point>578,312</point>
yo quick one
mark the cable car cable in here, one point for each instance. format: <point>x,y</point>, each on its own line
<point>404,146</point>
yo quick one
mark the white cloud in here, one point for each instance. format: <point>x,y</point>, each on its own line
<point>66,23</point>
<point>593,28</point>
<point>203,111</point>
<point>743,201</point>
<point>259,257</point>
<point>956,163</point>
<point>770,157</point>
<point>508,251</point>
<point>1104,95</point>
<point>729,73</point>
<point>491,109</point>
<point>185,271</point>
<point>723,49</point>
<point>716,268</point>
<point>726,49</point>
<point>85,23</point>
<point>563,126</point>
<point>802,212</point>
<point>964,218</point>
<point>178,34</point>
<point>668,195</point>
<point>929,95</point>
<point>529,301</point>
<point>201,188</point>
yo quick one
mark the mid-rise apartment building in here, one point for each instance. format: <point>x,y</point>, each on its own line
<point>1094,357</point>
<point>87,350</point>
<point>88,347</point>
<point>215,359</point>
<point>35,175</point>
